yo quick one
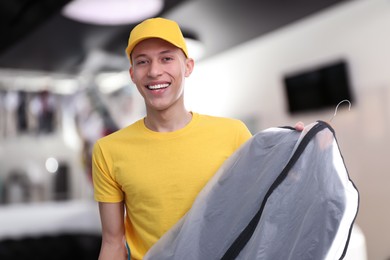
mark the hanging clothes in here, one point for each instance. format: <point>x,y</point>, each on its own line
<point>283,195</point>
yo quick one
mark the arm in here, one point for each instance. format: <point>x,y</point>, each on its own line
<point>113,231</point>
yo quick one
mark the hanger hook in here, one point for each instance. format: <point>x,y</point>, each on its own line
<point>335,111</point>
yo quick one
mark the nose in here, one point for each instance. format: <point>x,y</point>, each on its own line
<point>155,69</point>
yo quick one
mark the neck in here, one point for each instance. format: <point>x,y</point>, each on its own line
<point>166,121</point>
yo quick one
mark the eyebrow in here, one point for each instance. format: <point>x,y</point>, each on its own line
<point>160,53</point>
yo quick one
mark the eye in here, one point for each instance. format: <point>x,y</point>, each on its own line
<point>141,62</point>
<point>167,58</point>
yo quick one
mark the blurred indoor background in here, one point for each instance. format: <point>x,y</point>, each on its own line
<point>64,83</point>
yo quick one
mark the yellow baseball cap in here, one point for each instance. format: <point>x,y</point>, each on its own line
<point>162,28</point>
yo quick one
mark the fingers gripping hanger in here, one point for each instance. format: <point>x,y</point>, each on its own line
<point>335,111</point>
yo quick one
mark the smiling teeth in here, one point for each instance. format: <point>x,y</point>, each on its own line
<point>158,86</point>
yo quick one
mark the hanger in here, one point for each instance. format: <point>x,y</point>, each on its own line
<point>335,111</point>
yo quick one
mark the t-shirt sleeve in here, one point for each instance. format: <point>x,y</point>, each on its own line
<point>106,189</point>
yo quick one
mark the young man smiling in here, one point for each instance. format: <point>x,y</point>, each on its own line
<point>147,175</point>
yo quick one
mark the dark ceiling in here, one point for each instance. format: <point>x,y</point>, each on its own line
<point>35,36</point>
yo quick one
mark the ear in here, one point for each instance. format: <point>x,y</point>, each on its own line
<point>189,67</point>
<point>131,71</point>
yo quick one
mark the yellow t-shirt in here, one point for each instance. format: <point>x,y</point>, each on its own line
<point>158,175</point>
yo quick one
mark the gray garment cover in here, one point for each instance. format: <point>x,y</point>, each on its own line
<point>283,195</point>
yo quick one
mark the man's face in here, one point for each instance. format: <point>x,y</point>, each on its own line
<point>158,71</point>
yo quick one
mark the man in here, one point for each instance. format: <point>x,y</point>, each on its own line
<point>147,175</point>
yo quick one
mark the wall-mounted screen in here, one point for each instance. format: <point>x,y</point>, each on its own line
<point>318,88</point>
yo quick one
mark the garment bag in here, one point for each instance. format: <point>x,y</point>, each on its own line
<point>284,194</point>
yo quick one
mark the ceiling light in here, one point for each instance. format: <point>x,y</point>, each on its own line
<point>51,164</point>
<point>112,12</point>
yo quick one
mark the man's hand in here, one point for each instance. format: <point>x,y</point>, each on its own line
<point>299,126</point>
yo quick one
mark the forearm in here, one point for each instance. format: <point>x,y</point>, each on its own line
<point>113,233</point>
